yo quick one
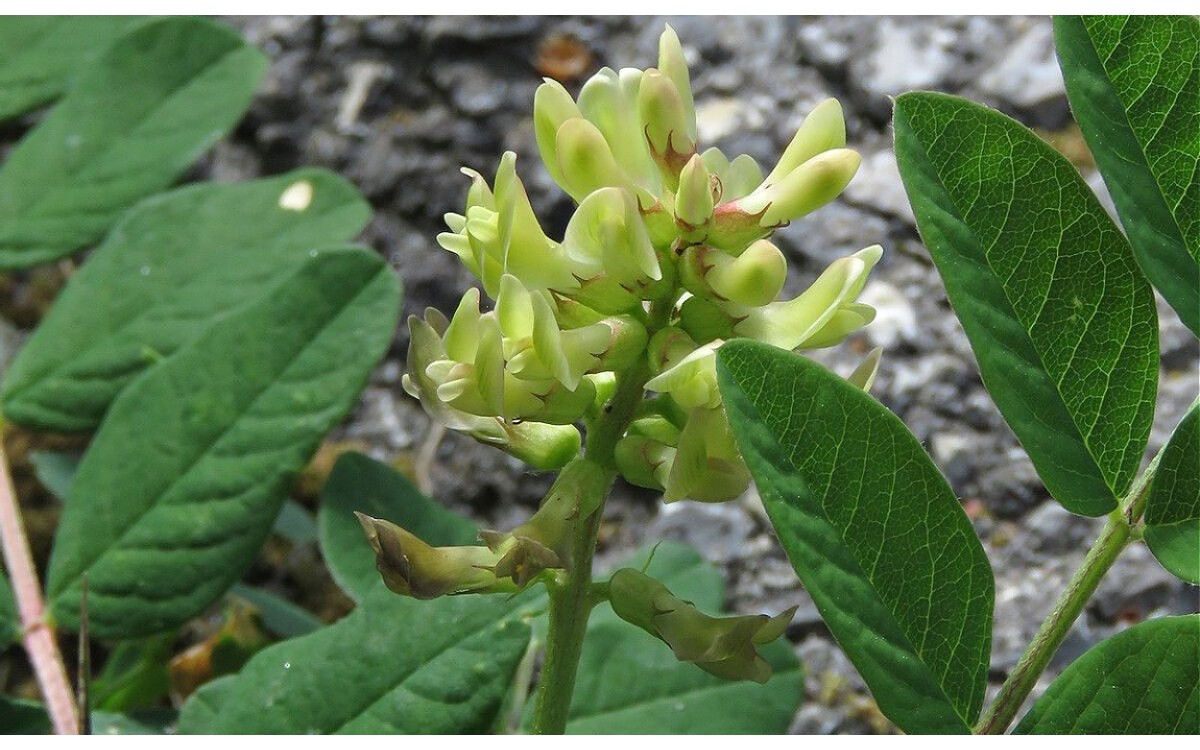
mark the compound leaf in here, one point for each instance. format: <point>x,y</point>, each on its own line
<point>170,268</point>
<point>216,434</point>
<point>1059,315</point>
<point>131,124</point>
<point>1134,86</point>
<point>873,530</point>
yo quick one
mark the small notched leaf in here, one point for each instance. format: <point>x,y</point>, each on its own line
<point>1145,680</point>
<point>133,122</point>
<point>874,532</point>
<point>1134,87</point>
<point>174,264</point>
<point>219,431</point>
<point>1056,309</point>
<point>41,55</point>
<point>1173,508</point>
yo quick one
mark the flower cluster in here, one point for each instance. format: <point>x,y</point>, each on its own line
<point>665,258</point>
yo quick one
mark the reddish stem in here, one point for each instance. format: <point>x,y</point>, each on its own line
<point>39,637</point>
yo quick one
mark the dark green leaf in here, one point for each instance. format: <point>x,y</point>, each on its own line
<point>295,523</point>
<point>131,124</point>
<point>1173,508</point>
<point>55,471</point>
<point>146,721</point>
<point>23,717</point>
<point>41,55</point>
<point>1061,319</point>
<point>171,267</point>
<point>1134,86</point>
<point>10,629</point>
<point>630,683</point>
<point>358,483</point>
<point>135,675</point>
<point>280,616</point>
<point>1145,680</point>
<point>872,529</point>
<point>203,706</point>
<point>218,432</point>
<point>394,665</point>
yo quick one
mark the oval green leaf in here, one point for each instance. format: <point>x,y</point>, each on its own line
<point>41,55</point>
<point>1059,315</point>
<point>630,683</point>
<point>874,532</point>
<point>217,433</point>
<point>131,124</point>
<point>359,483</point>
<point>1134,86</point>
<point>394,665</point>
<point>1145,680</point>
<point>170,267</point>
<point>1173,507</point>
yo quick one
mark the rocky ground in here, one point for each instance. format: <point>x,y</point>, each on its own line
<point>397,105</point>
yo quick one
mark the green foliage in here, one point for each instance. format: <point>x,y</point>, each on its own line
<point>279,616</point>
<point>135,675</point>
<point>166,270</point>
<point>630,684</point>
<point>1134,86</point>
<point>1061,320</point>
<point>1173,508</point>
<point>41,55</point>
<point>874,532</point>
<point>55,471</point>
<point>219,429</point>
<point>134,121</point>
<point>1145,680</point>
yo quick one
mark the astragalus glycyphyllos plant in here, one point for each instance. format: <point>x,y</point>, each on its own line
<point>616,327</point>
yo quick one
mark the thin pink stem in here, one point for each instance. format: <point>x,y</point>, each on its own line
<point>39,637</point>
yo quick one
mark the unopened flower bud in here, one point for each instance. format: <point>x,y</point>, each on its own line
<point>705,320</point>
<point>411,567</point>
<point>692,381</point>
<point>694,199</point>
<point>723,646</point>
<point>803,190</point>
<point>552,106</point>
<point>666,124</point>
<point>753,278</point>
<point>823,130</point>
<point>586,161</point>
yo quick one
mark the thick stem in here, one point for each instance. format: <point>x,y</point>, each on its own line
<point>570,599</point>
<point>1104,552</point>
<point>39,638</point>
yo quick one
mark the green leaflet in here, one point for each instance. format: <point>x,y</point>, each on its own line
<point>873,531</point>
<point>1173,508</point>
<point>1134,86</point>
<point>1145,680</point>
<point>394,664</point>
<point>295,523</point>
<point>131,124</point>
<point>41,55</point>
<point>630,683</point>
<point>169,268</point>
<point>358,483</point>
<point>218,431</point>
<point>10,629</point>
<point>135,674</point>
<point>1061,320</point>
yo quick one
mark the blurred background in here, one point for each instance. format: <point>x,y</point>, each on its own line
<point>397,105</point>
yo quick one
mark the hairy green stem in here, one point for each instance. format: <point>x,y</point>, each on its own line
<point>1108,546</point>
